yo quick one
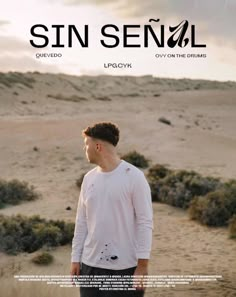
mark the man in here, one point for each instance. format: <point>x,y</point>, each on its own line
<point>113,230</point>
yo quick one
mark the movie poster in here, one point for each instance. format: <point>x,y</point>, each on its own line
<point>164,72</point>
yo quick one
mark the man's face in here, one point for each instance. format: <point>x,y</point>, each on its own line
<point>90,148</point>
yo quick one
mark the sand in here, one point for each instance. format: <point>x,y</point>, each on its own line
<point>201,137</point>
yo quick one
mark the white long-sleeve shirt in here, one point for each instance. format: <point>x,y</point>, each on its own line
<point>114,219</point>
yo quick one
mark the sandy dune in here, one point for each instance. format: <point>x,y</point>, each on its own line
<point>202,137</point>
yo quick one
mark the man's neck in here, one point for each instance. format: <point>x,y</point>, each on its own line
<point>109,164</point>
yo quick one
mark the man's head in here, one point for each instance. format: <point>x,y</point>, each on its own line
<point>99,139</point>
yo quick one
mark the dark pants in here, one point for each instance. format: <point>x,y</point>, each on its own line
<point>95,292</point>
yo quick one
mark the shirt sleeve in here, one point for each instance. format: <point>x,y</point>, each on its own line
<point>142,202</point>
<point>81,230</point>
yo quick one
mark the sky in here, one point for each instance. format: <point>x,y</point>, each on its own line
<point>214,20</point>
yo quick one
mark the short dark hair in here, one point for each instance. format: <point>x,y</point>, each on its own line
<point>104,131</point>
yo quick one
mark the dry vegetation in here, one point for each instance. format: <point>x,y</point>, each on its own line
<point>15,191</point>
<point>29,234</point>
<point>136,159</point>
<point>43,258</point>
<point>208,200</point>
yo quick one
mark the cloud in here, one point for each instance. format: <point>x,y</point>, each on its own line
<point>17,55</point>
<point>10,44</point>
<point>216,18</point>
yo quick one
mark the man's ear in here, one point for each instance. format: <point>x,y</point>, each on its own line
<point>98,147</point>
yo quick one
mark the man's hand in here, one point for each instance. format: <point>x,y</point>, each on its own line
<point>140,271</point>
<point>75,268</point>
<point>74,271</point>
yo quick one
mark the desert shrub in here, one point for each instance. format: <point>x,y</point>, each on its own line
<point>230,188</point>
<point>15,191</point>
<point>178,187</point>
<point>158,171</point>
<point>66,229</point>
<point>28,234</point>
<point>48,233</point>
<point>136,159</point>
<point>43,258</point>
<point>208,200</point>
<point>232,227</point>
<point>217,207</point>
<point>196,206</point>
<point>210,210</point>
<point>154,175</point>
<point>79,180</point>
